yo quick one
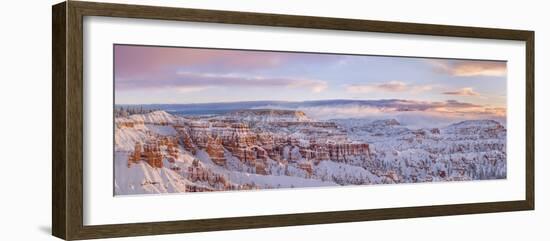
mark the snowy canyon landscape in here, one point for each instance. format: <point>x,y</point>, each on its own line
<point>266,145</point>
<point>192,119</point>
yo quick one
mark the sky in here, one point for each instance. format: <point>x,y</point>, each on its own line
<point>166,75</point>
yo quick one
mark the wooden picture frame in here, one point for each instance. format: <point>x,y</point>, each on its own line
<point>67,123</point>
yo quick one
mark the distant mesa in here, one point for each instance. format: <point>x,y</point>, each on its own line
<point>388,122</point>
<point>269,115</point>
<point>477,127</point>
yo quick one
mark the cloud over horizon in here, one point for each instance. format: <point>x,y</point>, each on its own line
<point>413,112</point>
<point>469,68</point>
<point>468,91</point>
<point>391,86</point>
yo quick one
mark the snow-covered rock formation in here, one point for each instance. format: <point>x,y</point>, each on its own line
<point>158,152</point>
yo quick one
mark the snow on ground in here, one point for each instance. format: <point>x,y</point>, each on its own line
<point>239,175</point>
<point>342,173</point>
<point>126,138</point>
<point>155,117</point>
<point>162,130</point>
<point>141,178</point>
<point>468,150</point>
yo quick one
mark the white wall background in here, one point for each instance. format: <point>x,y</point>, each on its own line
<point>25,119</point>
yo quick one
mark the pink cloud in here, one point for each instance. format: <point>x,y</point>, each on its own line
<point>194,69</point>
<point>134,61</point>
<point>391,86</point>
<point>462,92</point>
<point>466,68</point>
<point>191,81</point>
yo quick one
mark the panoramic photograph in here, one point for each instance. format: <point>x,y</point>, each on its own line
<point>201,120</point>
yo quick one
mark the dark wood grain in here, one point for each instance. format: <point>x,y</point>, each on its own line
<point>67,136</point>
<point>530,120</point>
<point>74,110</point>
<point>264,19</point>
<point>58,121</point>
<point>121,230</point>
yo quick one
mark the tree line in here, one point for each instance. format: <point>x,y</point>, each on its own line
<point>125,111</point>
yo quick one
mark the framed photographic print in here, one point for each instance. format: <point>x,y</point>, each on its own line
<point>171,120</point>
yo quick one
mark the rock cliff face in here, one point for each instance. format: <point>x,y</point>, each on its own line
<point>262,149</point>
<point>256,146</point>
<point>215,150</point>
<point>150,152</point>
